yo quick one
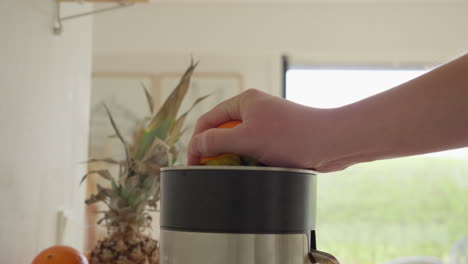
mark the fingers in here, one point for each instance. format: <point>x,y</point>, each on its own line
<point>226,111</point>
<point>206,142</point>
<point>217,141</point>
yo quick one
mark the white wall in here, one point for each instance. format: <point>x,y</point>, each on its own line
<point>44,89</point>
<point>399,30</point>
<point>395,33</point>
<point>257,70</point>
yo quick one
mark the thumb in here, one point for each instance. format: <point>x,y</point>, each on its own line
<point>216,141</point>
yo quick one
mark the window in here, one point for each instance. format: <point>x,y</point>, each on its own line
<point>379,211</point>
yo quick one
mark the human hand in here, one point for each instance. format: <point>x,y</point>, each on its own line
<point>274,131</point>
<point>413,118</point>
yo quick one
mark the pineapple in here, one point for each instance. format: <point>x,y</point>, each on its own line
<point>135,191</point>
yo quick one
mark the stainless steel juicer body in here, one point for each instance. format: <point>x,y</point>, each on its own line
<point>237,215</point>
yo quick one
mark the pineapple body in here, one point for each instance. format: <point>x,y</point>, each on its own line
<point>129,248</point>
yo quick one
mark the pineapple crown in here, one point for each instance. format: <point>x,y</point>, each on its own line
<point>136,189</point>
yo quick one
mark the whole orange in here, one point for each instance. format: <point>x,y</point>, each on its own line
<point>60,255</point>
<point>229,124</point>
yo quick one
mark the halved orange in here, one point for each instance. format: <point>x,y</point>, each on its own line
<point>229,124</point>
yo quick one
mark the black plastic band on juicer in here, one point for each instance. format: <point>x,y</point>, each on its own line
<point>238,201</point>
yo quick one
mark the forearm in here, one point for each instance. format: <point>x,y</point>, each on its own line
<point>427,114</point>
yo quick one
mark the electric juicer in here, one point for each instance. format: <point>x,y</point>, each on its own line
<point>238,215</point>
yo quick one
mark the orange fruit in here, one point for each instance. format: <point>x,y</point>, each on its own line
<point>88,256</point>
<point>60,255</point>
<point>229,124</point>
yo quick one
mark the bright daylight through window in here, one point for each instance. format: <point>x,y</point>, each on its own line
<point>410,208</point>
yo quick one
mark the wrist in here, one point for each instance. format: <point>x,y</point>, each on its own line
<point>343,140</point>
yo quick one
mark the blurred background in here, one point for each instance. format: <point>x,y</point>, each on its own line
<point>314,52</point>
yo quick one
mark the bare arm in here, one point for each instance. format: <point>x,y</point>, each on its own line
<point>427,114</point>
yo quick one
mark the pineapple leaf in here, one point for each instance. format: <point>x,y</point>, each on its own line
<point>105,160</point>
<point>131,183</point>
<point>162,121</point>
<point>172,104</point>
<point>105,191</point>
<point>174,160</point>
<point>153,203</point>
<point>175,132</point>
<point>174,151</point>
<point>158,147</point>
<point>141,207</point>
<point>149,98</point>
<point>122,174</point>
<point>100,196</point>
<point>100,211</point>
<point>151,182</point>
<point>103,173</point>
<point>137,198</point>
<point>119,135</point>
<point>199,100</point>
<point>137,136</point>
<point>101,220</point>
<point>149,136</point>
